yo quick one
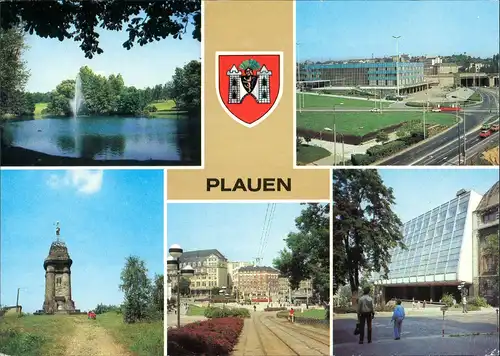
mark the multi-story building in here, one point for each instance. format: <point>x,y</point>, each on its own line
<point>232,267</point>
<point>385,75</point>
<point>485,246</point>
<point>438,255</point>
<point>302,293</point>
<point>257,282</point>
<point>210,268</point>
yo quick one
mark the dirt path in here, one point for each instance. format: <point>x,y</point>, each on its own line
<point>264,335</point>
<point>89,339</point>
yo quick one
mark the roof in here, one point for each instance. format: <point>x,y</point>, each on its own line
<point>198,255</point>
<point>490,198</point>
<point>258,269</point>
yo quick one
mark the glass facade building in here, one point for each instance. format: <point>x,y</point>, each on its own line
<point>438,246</point>
<point>380,74</point>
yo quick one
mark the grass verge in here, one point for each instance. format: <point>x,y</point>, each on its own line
<point>308,154</point>
<point>195,310</point>
<point>145,339</point>
<point>323,101</point>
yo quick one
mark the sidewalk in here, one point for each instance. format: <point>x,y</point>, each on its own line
<point>172,320</point>
<point>424,345</point>
<point>423,312</point>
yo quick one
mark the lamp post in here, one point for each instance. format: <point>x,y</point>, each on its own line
<point>397,62</point>
<point>335,135</point>
<point>174,265</point>
<point>298,78</point>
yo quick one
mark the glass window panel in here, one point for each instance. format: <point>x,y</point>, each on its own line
<point>452,210</point>
<point>462,207</point>
<point>460,223</point>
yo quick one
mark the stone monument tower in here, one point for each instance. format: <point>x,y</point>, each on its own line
<point>57,267</point>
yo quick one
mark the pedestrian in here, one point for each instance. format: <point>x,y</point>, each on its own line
<point>464,304</point>
<point>413,303</point>
<point>397,317</point>
<point>365,315</point>
<point>424,304</point>
<point>291,315</point>
<point>254,308</point>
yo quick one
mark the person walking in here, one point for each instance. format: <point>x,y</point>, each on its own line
<point>365,315</point>
<point>464,304</point>
<point>397,317</point>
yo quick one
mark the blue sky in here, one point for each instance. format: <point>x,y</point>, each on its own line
<point>420,190</point>
<point>105,216</point>
<point>358,29</point>
<point>51,61</point>
<point>232,228</point>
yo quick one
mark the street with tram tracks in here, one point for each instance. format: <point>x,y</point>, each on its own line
<point>266,335</point>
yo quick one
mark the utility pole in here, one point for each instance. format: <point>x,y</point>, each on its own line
<point>397,62</point>
<point>458,133</point>
<point>17,301</point>
<point>334,138</point>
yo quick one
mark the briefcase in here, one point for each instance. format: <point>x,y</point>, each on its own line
<point>356,330</point>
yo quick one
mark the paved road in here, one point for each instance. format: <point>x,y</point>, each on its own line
<point>444,148</point>
<point>403,109</point>
<point>469,334</point>
<point>266,335</point>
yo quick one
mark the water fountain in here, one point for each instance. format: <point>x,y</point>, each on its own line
<point>77,100</point>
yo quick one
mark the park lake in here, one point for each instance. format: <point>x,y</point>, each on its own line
<point>101,138</point>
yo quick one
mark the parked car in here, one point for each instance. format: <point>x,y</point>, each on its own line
<point>485,133</point>
<point>495,127</point>
<point>485,127</point>
<point>375,110</point>
<point>436,110</point>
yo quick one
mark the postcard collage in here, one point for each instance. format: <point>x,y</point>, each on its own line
<point>249,178</point>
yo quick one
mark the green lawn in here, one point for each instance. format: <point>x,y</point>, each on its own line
<point>308,154</point>
<point>323,101</point>
<point>144,339</point>
<point>195,310</point>
<point>475,97</point>
<point>312,313</point>
<point>361,123</point>
<point>34,335</point>
<point>164,105</point>
<point>39,107</point>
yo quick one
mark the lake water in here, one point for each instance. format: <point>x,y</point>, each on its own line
<point>99,138</point>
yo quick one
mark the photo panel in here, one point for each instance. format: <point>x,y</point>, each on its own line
<point>415,256</point>
<point>120,86</point>
<point>257,272</point>
<point>82,262</point>
<point>400,93</point>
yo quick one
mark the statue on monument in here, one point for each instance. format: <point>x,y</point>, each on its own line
<point>58,230</point>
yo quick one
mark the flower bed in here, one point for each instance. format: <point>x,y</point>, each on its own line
<point>209,337</point>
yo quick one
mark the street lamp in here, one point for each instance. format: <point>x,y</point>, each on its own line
<point>174,265</point>
<point>335,136</point>
<point>397,62</point>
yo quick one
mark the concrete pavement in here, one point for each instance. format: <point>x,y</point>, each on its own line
<point>464,334</point>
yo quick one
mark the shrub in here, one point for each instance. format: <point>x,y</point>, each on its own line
<point>209,337</point>
<point>382,137</point>
<point>150,108</point>
<point>214,313</point>
<point>479,302</point>
<point>15,342</point>
<point>447,299</point>
<point>360,159</point>
<point>274,309</point>
<point>381,151</point>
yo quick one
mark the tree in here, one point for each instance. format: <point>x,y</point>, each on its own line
<point>382,137</point>
<point>307,255</point>
<point>157,294</point>
<point>13,72</point>
<point>184,285</point>
<point>146,21</point>
<point>365,229</point>
<point>137,289</point>
<point>185,87</point>
<point>215,292</point>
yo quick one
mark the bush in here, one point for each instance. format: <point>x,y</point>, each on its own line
<point>274,309</point>
<point>479,302</point>
<point>209,337</point>
<point>447,299</point>
<point>150,108</point>
<point>360,159</point>
<point>215,313</point>
<point>382,151</point>
<point>14,342</point>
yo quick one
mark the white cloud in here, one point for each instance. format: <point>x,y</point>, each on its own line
<point>84,181</point>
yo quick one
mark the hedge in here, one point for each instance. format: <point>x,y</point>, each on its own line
<point>209,337</point>
<point>274,309</point>
<point>214,313</point>
<point>361,159</point>
<point>381,151</point>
